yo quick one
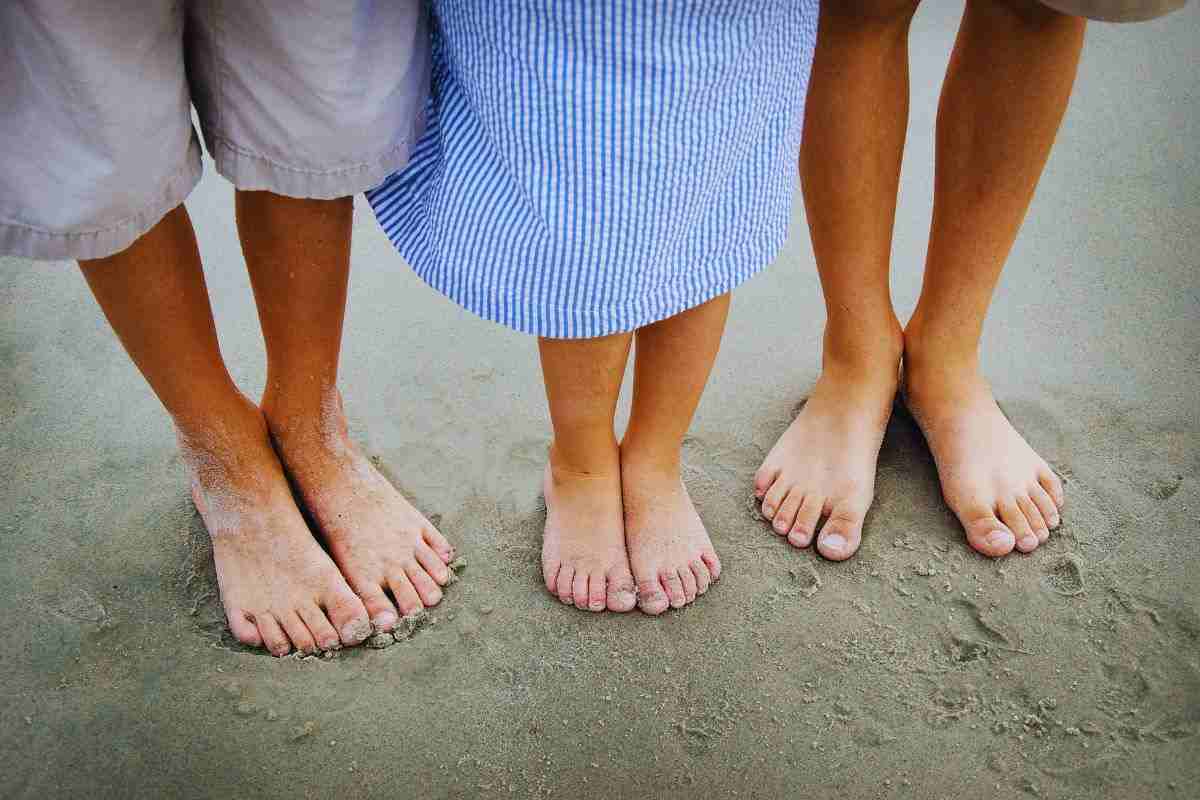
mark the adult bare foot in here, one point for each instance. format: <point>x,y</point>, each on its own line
<point>1004,494</point>
<point>279,588</point>
<point>583,547</point>
<point>823,466</point>
<point>379,541</point>
<point>673,559</point>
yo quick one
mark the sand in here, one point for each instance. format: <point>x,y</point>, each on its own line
<point>915,670</point>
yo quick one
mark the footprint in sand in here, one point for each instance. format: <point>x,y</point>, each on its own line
<point>1064,576</point>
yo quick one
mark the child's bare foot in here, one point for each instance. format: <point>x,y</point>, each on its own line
<point>583,547</point>
<point>823,466</point>
<point>1002,492</point>
<point>672,557</point>
<point>279,588</point>
<point>380,542</point>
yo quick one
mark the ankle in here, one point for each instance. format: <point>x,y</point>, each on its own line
<point>584,459</point>
<point>932,351</point>
<point>862,351</point>
<point>656,458</point>
<point>304,417</point>
<point>220,424</point>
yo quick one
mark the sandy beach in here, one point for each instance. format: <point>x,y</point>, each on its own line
<point>918,669</point>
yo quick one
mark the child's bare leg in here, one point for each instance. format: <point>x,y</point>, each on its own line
<point>583,549</point>
<point>673,559</point>
<point>298,254</point>
<point>1007,87</point>
<point>855,119</point>
<point>279,587</point>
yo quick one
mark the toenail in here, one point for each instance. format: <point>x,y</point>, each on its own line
<point>1029,541</point>
<point>998,538</point>
<point>384,621</point>
<point>768,511</point>
<point>355,632</point>
<point>835,542</point>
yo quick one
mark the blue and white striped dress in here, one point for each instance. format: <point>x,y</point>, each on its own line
<point>593,166</point>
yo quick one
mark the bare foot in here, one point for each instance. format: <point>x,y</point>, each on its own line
<point>672,557</point>
<point>823,466</point>
<point>583,547</point>
<point>1002,492</point>
<point>279,588</point>
<point>380,542</point>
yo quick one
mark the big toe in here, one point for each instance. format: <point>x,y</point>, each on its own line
<point>987,534</point>
<point>349,617</point>
<point>841,536</point>
<point>621,592</point>
<point>652,598</point>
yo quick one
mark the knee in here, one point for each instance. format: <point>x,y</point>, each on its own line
<point>875,13</point>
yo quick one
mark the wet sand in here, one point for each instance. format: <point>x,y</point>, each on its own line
<point>915,670</point>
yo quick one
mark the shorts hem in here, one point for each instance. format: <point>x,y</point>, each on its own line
<point>251,171</point>
<point>28,241</point>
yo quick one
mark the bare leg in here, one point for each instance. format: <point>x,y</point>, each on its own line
<point>1007,87</point>
<point>824,464</point>
<point>278,586</point>
<point>672,557</point>
<point>298,254</point>
<point>583,548</point>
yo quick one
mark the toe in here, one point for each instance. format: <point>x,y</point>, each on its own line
<point>1034,515</point>
<point>566,577</point>
<point>428,590</point>
<point>244,629</point>
<point>1041,498</point>
<point>439,543</point>
<point>786,515</point>
<point>689,584</point>
<point>622,594</point>
<point>713,563</point>
<point>651,598</point>
<point>985,532</point>
<point>322,630</point>
<point>674,587</point>
<point>298,632</point>
<point>774,499</point>
<point>1014,518</point>
<point>406,596</point>
<point>1053,486</point>
<point>700,573</point>
<point>433,564</point>
<point>272,635</point>
<point>550,576</point>
<point>579,589</point>
<point>349,616</point>
<point>805,525</point>
<point>597,596</point>
<point>380,610</point>
<point>841,535</point>
<point>763,480</point>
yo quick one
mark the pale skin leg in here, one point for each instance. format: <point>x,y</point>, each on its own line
<point>298,255</point>
<point>988,162</point>
<point>670,552</point>
<point>1005,93</point>
<point>584,560</point>
<point>279,588</point>
<point>615,508</point>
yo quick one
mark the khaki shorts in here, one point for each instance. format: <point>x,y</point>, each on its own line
<point>306,98</point>
<point>1116,10</point>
